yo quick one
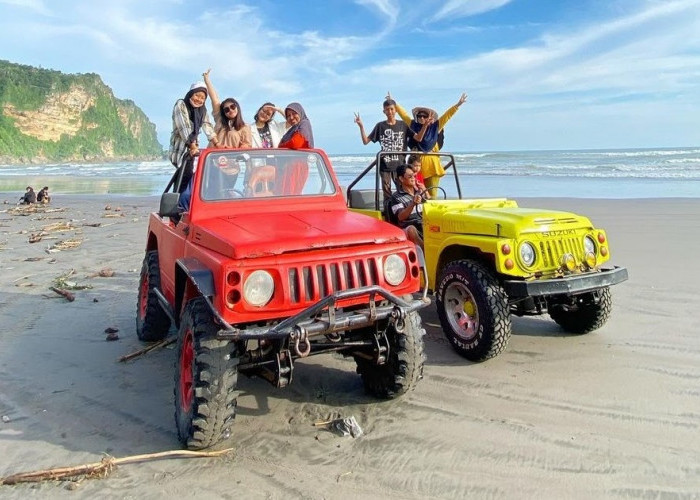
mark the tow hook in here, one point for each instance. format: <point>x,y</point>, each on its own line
<point>301,336</point>
<point>399,319</point>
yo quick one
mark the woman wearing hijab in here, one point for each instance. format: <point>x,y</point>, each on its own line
<point>431,168</point>
<point>266,132</point>
<point>292,179</point>
<point>231,130</point>
<point>189,118</point>
<point>299,135</point>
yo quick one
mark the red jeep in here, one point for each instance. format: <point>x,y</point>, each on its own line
<point>268,265</point>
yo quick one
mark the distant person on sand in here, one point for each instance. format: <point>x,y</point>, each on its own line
<point>189,118</point>
<point>231,130</point>
<point>392,135</point>
<point>266,132</point>
<point>43,196</point>
<point>29,197</point>
<point>300,134</point>
<point>431,168</point>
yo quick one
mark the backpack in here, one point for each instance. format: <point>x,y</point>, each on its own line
<point>441,139</point>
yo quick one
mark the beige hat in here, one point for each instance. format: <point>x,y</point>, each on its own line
<point>431,112</point>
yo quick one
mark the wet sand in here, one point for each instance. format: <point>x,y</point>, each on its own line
<point>612,414</point>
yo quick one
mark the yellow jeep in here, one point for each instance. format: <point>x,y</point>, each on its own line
<point>488,258</point>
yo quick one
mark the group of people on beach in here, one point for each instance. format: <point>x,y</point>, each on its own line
<point>229,130</point>
<point>415,177</point>
<point>30,197</point>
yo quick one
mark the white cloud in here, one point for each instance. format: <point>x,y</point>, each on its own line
<point>464,8</point>
<point>389,8</point>
<point>37,6</point>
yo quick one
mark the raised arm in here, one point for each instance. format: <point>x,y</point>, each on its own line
<point>451,111</point>
<point>215,101</point>
<point>363,135</point>
<point>399,109</point>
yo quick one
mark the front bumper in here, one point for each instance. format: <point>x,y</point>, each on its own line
<point>569,285</point>
<point>323,317</point>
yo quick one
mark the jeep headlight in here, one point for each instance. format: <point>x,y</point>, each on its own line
<point>258,288</point>
<point>527,253</point>
<point>394,269</point>
<point>588,244</point>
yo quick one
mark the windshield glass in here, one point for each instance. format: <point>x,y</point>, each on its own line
<point>233,174</point>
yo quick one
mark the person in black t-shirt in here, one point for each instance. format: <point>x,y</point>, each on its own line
<point>392,135</point>
<point>406,205</point>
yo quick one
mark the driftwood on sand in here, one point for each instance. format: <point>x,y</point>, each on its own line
<point>150,348</point>
<point>102,468</point>
<point>64,293</point>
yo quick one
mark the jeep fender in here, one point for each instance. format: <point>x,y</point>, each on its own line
<point>459,246</point>
<point>192,279</point>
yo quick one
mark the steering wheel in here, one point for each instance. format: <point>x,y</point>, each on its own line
<point>427,190</point>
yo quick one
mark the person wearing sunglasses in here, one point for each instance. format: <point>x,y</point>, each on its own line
<point>231,130</point>
<point>431,168</point>
<point>406,205</point>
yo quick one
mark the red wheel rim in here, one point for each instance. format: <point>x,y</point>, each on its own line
<point>186,378</point>
<point>143,304</point>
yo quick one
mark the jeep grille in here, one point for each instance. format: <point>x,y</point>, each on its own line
<point>312,283</point>
<point>552,250</point>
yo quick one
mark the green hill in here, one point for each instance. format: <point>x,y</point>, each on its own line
<point>49,116</point>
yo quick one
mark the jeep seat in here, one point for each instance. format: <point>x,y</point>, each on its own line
<point>262,182</point>
<point>364,199</point>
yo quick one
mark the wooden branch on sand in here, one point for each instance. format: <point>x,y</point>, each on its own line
<point>102,468</point>
<point>65,293</point>
<point>143,351</point>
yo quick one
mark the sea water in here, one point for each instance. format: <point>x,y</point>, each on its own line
<point>623,173</point>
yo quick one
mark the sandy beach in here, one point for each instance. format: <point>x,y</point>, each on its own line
<point>612,414</point>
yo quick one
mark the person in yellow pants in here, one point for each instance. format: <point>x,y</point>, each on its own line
<point>431,168</point>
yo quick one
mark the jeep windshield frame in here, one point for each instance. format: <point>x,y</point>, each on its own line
<point>374,166</point>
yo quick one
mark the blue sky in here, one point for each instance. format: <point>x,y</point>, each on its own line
<point>540,74</point>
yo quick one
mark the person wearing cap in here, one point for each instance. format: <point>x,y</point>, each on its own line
<point>266,132</point>
<point>231,130</point>
<point>431,168</point>
<point>189,119</point>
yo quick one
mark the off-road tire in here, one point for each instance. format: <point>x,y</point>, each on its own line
<point>473,310</point>
<point>404,364</point>
<point>206,376</point>
<point>590,312</point>
<point>152,323</point>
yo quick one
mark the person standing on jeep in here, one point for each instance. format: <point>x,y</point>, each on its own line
<point>406,205</point>
<point>392,135</point>
<point>189,118</point>
<point>432,169</point>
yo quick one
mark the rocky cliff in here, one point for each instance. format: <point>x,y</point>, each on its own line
<point>48,116</point>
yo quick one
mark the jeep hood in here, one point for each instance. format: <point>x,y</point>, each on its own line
<point>257,235</point>
<point>502,218</point>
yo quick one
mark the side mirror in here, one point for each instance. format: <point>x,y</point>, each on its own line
<point>169,205</point>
